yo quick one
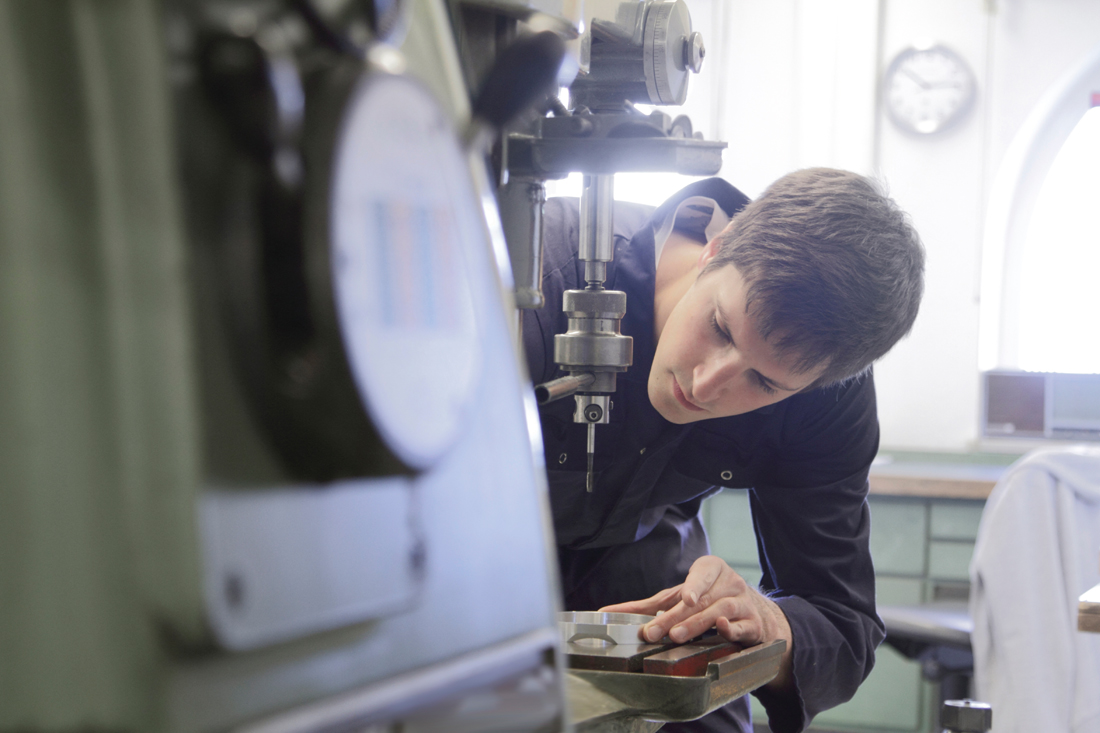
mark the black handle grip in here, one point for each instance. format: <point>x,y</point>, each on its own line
<point>522,75</point>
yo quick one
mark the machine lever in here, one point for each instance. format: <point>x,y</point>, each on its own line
<point>522,75</point>
<point>555,389</point>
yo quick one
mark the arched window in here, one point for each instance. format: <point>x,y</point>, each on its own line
<point>1040,327</point>
<point>1059,330</point>
<point>1041,257</point>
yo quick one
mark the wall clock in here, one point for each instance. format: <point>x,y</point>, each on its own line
<point>928,89</point>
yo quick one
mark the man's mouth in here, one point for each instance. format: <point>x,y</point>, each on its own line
<point>682,399</point>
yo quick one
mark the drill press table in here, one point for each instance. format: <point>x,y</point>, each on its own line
<point>615,687</point>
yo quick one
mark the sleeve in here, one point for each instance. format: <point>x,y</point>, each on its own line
<point>812,525</point>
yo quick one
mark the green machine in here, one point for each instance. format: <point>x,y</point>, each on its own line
<point>268,460</point>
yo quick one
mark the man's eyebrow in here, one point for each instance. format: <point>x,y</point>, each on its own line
<point>772,383</point>
<point>766,380</point>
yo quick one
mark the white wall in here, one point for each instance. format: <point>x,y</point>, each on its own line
<point>798,87</point>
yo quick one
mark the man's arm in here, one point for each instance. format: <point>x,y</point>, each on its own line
<point>812,526</point>
<point>715,596</point>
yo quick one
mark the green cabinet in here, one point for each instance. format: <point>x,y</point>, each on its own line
<point>921,548</point>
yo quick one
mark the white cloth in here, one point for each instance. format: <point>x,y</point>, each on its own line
<point>1038,550</point>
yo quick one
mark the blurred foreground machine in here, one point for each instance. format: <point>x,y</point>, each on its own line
<point>267,460</point>
<point>269,463</point>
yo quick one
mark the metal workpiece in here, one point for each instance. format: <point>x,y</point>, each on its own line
<point>614,628</point>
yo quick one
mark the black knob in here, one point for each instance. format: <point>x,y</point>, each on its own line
<point>522,75</point>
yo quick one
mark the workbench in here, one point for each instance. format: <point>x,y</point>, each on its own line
<point>1088,611</point>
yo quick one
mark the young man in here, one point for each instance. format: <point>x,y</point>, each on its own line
<point>753,342</point>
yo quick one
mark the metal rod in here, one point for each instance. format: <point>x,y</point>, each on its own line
<point>555,389</point>
<point>591,456</point>
<point>597,227</point>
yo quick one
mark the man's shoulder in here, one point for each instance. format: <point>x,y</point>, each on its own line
<point>561,228</point>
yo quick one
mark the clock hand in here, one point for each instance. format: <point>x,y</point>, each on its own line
<point>921,82</point>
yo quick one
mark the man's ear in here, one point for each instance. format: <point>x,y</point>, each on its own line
<point>708,253</point>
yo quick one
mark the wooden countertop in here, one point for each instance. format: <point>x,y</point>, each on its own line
<point>1088,611</point>
<point>936,477</point>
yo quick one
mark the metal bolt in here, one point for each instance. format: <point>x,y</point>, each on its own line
<point>966,715</point>
<point>694,52</point>
<point>592,413</point>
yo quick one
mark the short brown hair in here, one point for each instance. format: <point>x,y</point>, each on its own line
<point>834,270</point>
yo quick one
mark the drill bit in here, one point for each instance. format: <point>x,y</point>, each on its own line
<point>591,455</point>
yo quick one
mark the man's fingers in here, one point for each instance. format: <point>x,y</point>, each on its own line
<point>721,612</point>
<point>662,601</point>
<point>629,607</point>
<point>707,581</point>
<point>736,619</point>
<point>739,631</point>
<point>659,627</point>
<point>700,578</point>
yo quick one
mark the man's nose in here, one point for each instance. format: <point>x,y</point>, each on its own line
<point>712,377</point>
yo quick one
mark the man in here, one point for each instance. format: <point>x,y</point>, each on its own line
<point>752,354</point>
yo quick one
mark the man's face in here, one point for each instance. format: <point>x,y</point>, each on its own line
<point>710,360</point>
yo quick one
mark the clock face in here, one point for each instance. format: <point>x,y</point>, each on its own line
<point>928,89</point>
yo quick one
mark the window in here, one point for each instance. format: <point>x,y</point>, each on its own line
<point>1060,284</point>
<point>1041,258</point>
<point>1040,340</point>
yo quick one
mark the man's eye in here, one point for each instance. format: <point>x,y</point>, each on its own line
<point>718,329</point>
<point>764,386</point>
